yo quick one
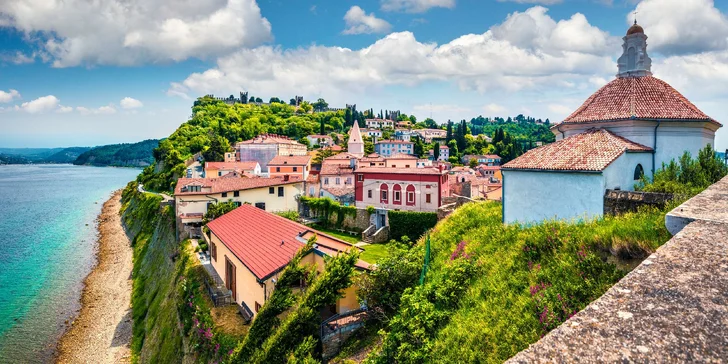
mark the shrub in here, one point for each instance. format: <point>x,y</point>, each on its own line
<point>411,224</point>
<point>687,176</point>
<point>290,215</point>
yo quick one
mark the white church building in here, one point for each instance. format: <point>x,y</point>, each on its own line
<point>630,126</point>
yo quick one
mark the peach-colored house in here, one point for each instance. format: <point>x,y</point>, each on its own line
<point>250,247</point>
<point>219,169</point>
<point>291,165</point>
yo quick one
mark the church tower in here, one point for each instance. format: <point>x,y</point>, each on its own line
<point>356,143</point>
<point>634,60</point>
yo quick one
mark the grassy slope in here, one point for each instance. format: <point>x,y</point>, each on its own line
<point>156,334</point>
<point>499,315</point>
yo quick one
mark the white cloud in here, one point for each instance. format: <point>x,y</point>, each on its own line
<point>494,60</point>
<point>440,108</point>
<point>129,32</point>
<point>542,2</point>
<point>415,6</point>
<point>64,109</point>
<point>17,58</point>
<point>10,95</point>
<point>40,105</point>
<point>101,110</point>
<point>494,108</point>
<point>130,103</point>
<point>359,22</point>
<point>560,109</point>
<point>682,26</point>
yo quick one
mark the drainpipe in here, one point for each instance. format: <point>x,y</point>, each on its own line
<point>654,148</point>
<point>558,128</point>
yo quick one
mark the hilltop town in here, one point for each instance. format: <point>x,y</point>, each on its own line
<point>296,230</point>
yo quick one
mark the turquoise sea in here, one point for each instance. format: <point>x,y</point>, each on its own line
<point>47,247</point>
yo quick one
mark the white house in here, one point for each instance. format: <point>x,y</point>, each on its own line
<point>630,126</point>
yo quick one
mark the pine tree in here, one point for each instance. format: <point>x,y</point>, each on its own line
<point>449,131</point>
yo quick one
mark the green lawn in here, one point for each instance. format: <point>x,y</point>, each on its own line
<point>373,252</point>
<point>353,239</point>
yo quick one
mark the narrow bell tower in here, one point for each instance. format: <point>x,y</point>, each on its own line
<point>634,61</point>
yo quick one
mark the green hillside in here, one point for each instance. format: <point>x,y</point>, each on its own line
<point>120,155</point>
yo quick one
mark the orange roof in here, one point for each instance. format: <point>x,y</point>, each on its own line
<point>335,169</point>
<point>401,156</point>
<point>219,185</point>
<point>237,166</point>
<point>426,170</point>
<point>268,241</point>
<point>592,150</point>
<point>339,191</point>
<point>644,97</point>
<point>293,160</point>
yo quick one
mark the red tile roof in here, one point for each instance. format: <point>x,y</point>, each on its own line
<point>644,97</point>
<point>401,156</point>
<point>425,170</point>
<point>331,169</point>
<point>237,166</point>
<point>290,160</point>
<point>592,150</point>
<point>339,191</point>
<point>264,242</point>
<point>219,185</point>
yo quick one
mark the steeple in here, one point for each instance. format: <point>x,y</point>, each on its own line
<point>356,143</point>
<point>634,61</point>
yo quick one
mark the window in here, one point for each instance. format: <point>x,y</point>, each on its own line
<point>384,189</point>
<point>224,194</point>
<point>369,193</point>
<point>638,172</point>
<point>280,191</point>
<point>311,191</point>
<point>236,194</point>
<point>271,190</point>
<point>237,203</point>
<point>348,180</point>
<point>278,169</point>
<point>260,205</point>
<point>338,180</point>
<point>219,173</point>
<point>360,177</point>
<point>326,180</point>
<point>428,198</point>
<point>396,196</point>
<point>257,306</point>
<point>410,195</point>
<point>213,251</point>
<point>295,169</point>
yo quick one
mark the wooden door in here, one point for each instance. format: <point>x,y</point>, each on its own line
<point>230,278</point>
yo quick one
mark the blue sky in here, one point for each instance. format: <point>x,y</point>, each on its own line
<point>72,73</point>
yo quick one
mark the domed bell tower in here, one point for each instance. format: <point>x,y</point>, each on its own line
<point>634,61</point>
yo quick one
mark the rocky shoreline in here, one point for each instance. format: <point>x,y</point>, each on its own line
<point>103,329</point>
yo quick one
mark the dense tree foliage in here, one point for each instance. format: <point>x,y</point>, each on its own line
<point>120,155</point>
<point>687,175</point>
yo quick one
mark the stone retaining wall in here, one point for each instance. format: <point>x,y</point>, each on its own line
<point>618,202</point>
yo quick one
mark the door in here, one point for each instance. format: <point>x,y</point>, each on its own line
<point>230,278</point>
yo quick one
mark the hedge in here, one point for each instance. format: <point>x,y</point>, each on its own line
<point>409,223</point>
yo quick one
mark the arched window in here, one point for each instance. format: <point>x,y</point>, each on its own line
<point>631,59</point>
<point>410,195</point>
<point>397,194</point>
<point>638,172</point>
<point>383,193</point>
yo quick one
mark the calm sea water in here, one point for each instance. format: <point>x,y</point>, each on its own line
<point>47,247</point>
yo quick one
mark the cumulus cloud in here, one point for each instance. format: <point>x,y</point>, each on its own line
<point>130,32</point>
<point>359,22</point>
<point>542,2</point>
<point>130,103</point>
<point>415,6</point>
<point>677,27</point>
<point>40,105</point>
<point>101,110</point>
<point>64,109</point>
<point>482,62</point>
<point>440,108</point>
<point>494,108</point>
<point>10,95</point>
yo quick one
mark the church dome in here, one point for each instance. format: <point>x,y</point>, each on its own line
<point>635,29</point>
<point>645,97</point>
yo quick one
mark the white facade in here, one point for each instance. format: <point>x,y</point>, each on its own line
<point>386,147</point>
<point>672,138</point>
<point>546,195</point>
<point>197,204</point>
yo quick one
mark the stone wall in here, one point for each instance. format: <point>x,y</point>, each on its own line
<point>618,202</point>
<point>358,223</point>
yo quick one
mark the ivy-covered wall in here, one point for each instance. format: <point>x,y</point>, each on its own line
<point>410,223</point>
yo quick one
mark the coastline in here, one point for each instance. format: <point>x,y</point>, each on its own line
<point>101,333</point>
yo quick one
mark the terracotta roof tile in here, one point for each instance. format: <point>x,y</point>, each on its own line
<point>291,160</point>
<point>644,97</point>
<point>331,169</point>
<point>339,191</point>
<point>267,242</point>
<point>219,185</point>
<point>237,166</point>
<point>592,150</point>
